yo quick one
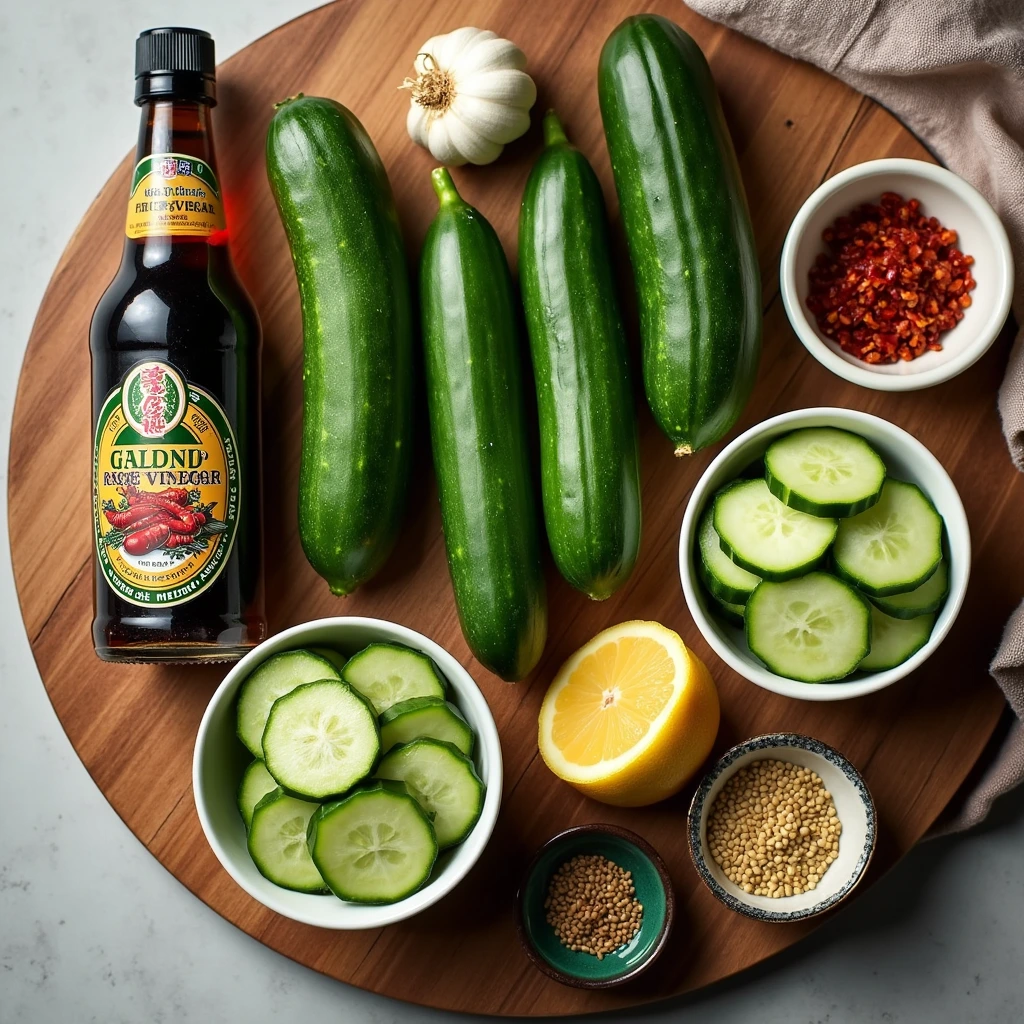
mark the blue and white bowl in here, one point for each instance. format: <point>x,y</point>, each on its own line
<point>854,808</point>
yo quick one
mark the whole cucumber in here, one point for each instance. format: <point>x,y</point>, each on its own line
<point>687,226</point>
<point>336,204</point>
<point>590,477</point>
<point>478,431</point>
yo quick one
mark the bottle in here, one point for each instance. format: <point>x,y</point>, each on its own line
<point>175,344</point>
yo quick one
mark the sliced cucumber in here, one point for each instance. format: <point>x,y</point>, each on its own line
<point>444,783</point>
<point>321,739</point>
<point>731,612</point>
<point>374,845</point>
<point>925,599</point>
<point>274,678</point>
<point>416,717</point>
<point>894,546</point>
<point>813,629</point>
<point>824,472</point>
<point>336,658</point>
<point>277,842</point>
<point>895,640</point>
<point>388,673</point>
<point>767,537</point>
<point>727,581</point>
<point>256,783</point>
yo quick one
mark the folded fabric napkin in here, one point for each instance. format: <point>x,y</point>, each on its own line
<point>953,72</point>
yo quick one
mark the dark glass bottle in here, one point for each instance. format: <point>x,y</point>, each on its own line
<point>175,344</point>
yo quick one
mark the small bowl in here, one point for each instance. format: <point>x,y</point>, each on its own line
<point>854,808</point>
<point>957,205</point>
<point>220,758</point>
<point>906,459</point>
<point>653,890</point>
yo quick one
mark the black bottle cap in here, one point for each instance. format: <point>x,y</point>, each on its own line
<point>175,62</point>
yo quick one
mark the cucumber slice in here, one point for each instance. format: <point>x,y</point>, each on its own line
<point>893,547</point>
<point>374,845</point>
<point>257,782</point>
<point>824,472</point>
<point>731,612</point>
<point>444,783</point>
<point>277,842</point>
<point>895,640</point>
<point>321,739</point>
<point>388,673</point>
<point>813,629</point>
<point>727,581</point>
<point>767,537</point>
<point>927,598</point>
<point>274,678</point>
<point>336,658</point>
<point>432,717</point>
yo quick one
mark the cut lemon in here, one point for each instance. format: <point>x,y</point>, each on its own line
<point>630,716</point>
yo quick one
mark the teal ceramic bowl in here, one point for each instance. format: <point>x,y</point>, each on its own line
<point>653,890</point>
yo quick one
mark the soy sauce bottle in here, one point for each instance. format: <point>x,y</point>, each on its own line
<point>175,346</point>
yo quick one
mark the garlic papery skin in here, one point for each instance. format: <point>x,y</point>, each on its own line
<point>471,96</point>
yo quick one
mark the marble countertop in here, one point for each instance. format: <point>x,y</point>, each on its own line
<point>92,928</point>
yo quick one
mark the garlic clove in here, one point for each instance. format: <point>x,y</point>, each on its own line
<point>511,87</point>
<point>416,124</point>
<point>440,144</point>
<point>472,143</point>
<point>489,55</point>
<point>445,49</point>
<point>494,121</point>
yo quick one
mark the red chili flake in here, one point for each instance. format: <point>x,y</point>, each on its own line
<point>891,281</point>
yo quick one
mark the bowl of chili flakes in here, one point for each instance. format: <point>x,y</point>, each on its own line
<point>896,274</point>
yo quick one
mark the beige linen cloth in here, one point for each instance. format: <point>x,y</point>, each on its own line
<point>953,72</point>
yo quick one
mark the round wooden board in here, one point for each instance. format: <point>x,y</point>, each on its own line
<point>134,726</point>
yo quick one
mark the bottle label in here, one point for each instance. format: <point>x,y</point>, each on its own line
<point>167,487</point>
<point>174,194</point>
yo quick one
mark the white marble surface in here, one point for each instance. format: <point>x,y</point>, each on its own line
<point>93,929</point>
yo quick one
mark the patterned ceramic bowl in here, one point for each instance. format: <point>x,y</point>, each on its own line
<point>854,808</point>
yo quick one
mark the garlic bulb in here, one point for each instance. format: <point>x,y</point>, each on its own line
<point>470,96</point>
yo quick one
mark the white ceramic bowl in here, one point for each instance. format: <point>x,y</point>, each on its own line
<point>906,459</point>
<point>220,758</point>
<point>957,205</point>
<point>854,808</point>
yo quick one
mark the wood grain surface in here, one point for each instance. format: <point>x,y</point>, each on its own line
<point>133,727</point>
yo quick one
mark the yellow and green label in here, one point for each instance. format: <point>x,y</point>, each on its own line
<point>174,194</point>
<point>166,487</point>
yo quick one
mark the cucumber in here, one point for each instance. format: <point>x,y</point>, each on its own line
<point>388,673</point>
<point>277,842</point>
<point>590,474</point>
<point>374,845</point>
<point>764,536</point>
<point>256,783</point>
<point>728,582</point>
<point>336,658</point>
<point>927,598</point>
<point>321,739</point>
<point>424,716</point>
<point>334,198</point>
<point>814,629</point>
<point>894,640</point>
<point>272,679</point>
<point>894,546</point>
<point>444,783</point>
<point>478,432</point>
<point>824,472</point>
<point>733,613</point>
<point>687,228</point>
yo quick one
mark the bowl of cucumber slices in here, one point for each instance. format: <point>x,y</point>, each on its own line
<point>824,554</point>
<point>347,773</point>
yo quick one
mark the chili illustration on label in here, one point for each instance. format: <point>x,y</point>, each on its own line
<point>166,480</point>
<point>174,194</point>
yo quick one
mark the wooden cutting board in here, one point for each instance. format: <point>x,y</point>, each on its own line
<point>134,726</point>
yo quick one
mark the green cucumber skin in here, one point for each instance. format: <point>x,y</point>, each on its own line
<point>590,475</point>
<point>478,432</point>
<point>687,226</point>
<point>334,198</point>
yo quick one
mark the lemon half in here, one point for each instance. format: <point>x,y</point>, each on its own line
<point>630,716</point>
